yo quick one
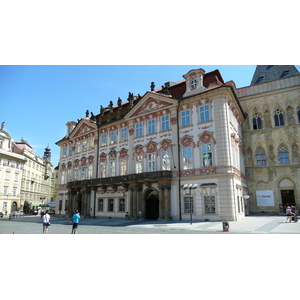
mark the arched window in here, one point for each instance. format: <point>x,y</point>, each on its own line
<point>298,113</point>
<point>278,117</point>
<point>260,157</point>
<point>256,120</point>
<point>283,155</point>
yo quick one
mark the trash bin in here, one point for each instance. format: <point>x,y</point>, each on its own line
<point>225,226</point>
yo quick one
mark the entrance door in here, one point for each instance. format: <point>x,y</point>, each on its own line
<point>287,196</point>
<point>152,208</point>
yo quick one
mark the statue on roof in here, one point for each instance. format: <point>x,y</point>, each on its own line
<point>119,102</point>
<point>87,114</point>
<point>101,110</point>
<point>2,125</point>
<point>152,86</point>
<point>111,106</point>
<point>130,98</point>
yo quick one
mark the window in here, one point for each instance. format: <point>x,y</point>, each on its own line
<point>278,117</point>
<point>82,173</point>
<point>260,157</point>
<point>5,190</point>
<point>204,113</point>
<point>187,159</point>
<point>64,151</point>
<point>15,191</point>
<point>84,145</point>
<point>139,163</point>
<point>256,121</point>
<point>165,123</point>
<point>210,206</point>
<point>77,147</point>
<point>188,205</point>
<point>112,167</point>
<point>123,167</point>
<point>138,130</point>
<point>76,174</point>
<point>185,118</point>
<point>206,155</point>
<point>17,176</point>
<point>151,126</point>
<point>70,149</point>
<point>110,204</point>
<point>123,134</point>
<point>166,161</point>
<point>284,73</point>
<point>90,171</point>
<point>102,170</point>
<point>62,178</point>
<point>113,137</point>
<point>121,205</point>
<point>7,175</point>
<point>69,175</point>
<point>103,139</point>
<point>151,162</point>
<point>100,204</point>
<point>92,143</point>
<point>283,155</point>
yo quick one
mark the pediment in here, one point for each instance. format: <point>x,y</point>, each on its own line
<point>151,103</point>
<point>84,127</point>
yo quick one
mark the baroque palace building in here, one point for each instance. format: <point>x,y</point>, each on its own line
<point>174,153</point>
<point>26,181</point>
<point>199,148</point>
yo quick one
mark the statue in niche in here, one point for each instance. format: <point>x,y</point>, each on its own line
<point>272,155</point>
<point>290,115</point>
<point>267,119</point>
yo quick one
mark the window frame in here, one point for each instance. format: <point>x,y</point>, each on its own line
<point>138,129</point>
<point>203,117</point>
<point>186,156</point>
<point>185,118</point>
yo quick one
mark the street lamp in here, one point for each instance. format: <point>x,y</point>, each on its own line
<point>42,200</point>
<point>188,190</point>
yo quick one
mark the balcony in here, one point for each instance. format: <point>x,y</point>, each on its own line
<point>140,177</point>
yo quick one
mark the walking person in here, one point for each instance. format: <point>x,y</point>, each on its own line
<point>76,218</point>
<point>46,222</point>
<point>126,216</point>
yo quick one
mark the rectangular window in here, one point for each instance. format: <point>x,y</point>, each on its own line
<point>110,204</point>
<point>123,166</point>
<point>166,161</point>
<point>76,174</point>
<point>64,151</point>
<point>77,147</point>
<point>84,145</point>
<point>210,206</point>
<point>5,190</point>
<point>7,175</point>
<point>139,163</point>
<point>123,134</point>
<point>113,137</point>
<point>17,176</point>
<point>100,204</point>
<point>69,175</point>
<point>165,123</point>
<point>151,126</point>
<point>102,170</point>
<point>187,159</point>
<point>151,162</point>
<point>82,173</point>
<point>204,113</point>
<point>188,205</point>
<point>112,167</point>
<point>185,118</point>
<point>70,150</point>
<point>15,191</point>
<point>138,129</point>
<point>90,171</point>
<point>92,143</point>
<point>103,139</point>
<point>206,155</point>
<point>121,205</point>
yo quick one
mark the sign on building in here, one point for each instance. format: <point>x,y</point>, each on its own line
<point>265,198</point>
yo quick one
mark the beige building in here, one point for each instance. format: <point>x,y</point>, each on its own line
<point>26,178</point>
<point>271,137</point>
<point>173,153</point>
<point>11,170</point>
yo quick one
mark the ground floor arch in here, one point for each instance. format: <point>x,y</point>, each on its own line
<point>152,206</point>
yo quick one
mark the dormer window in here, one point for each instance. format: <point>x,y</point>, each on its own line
<point>193,84</point>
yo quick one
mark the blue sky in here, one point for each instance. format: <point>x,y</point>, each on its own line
<point>37,101</point>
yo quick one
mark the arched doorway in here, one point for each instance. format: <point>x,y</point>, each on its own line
<point>14,206</point>
<point>152,206</point>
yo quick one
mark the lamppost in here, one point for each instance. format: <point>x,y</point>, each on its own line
<point>188,190</point>
<point>42,200</point>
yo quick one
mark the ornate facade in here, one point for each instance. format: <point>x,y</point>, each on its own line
<point>174,153</point>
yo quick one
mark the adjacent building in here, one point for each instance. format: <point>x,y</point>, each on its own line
<point>26,181</point>
<point>174,153</point>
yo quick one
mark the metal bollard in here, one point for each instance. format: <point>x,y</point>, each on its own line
<point>225,226</point>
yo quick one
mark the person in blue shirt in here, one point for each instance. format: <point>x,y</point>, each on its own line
<point>76,218</point>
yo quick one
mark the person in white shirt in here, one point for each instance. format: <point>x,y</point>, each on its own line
<point>46,222</point>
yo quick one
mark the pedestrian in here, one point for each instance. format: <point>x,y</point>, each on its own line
<point>46,222</point>
<point>76,218</point>
<point>126,216</point>
<point>288,214</point>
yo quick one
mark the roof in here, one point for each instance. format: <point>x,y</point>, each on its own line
<point>272,72</point>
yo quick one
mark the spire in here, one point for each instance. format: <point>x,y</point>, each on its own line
<point>272,72</point>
